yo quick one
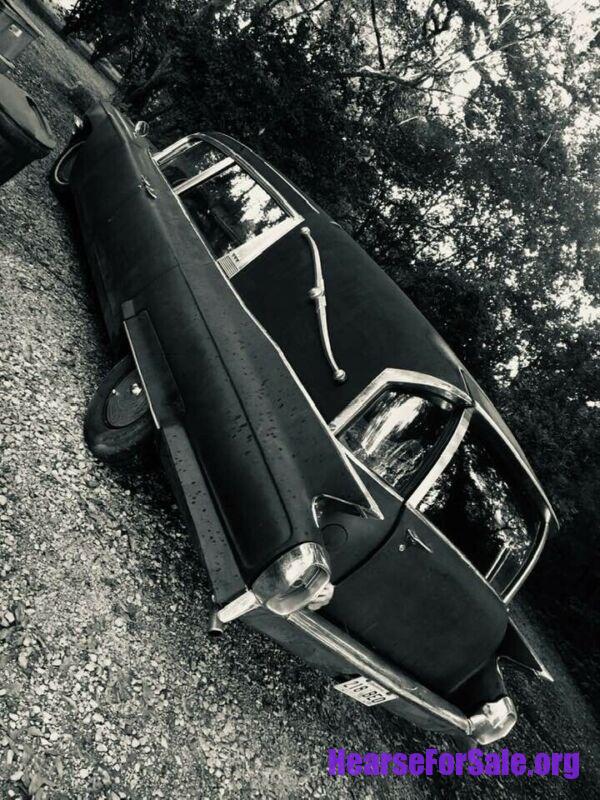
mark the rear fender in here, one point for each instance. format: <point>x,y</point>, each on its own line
<point>516,649</point>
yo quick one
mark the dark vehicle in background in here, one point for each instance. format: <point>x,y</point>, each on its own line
<point>353,492</point>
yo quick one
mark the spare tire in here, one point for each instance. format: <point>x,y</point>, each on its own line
<point>118,422</point>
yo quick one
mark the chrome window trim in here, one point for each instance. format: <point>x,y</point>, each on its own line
<point>524,465</point>
<point>444,458</point>
<point>410,379</point>
<point>173,148</point>
<point>373,475</point>
<point>406,377</point>
<point>548,515</point>
<point>207,173</point>
<point>533,559</point>
<point>167,151</point>
<point>235,260</point>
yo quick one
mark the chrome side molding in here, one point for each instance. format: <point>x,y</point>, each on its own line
<point>317,294</point>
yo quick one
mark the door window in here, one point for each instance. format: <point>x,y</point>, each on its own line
<point>481,509</point>
<point>396,433</point>
<point>189,161</point>
<point>230,209</point>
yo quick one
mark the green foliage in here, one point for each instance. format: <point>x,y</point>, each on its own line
<point>460,146</point>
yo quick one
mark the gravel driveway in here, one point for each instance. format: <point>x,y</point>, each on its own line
<point>109,685</point>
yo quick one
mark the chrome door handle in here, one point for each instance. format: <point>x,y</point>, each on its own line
<point>317,294</point>
<point>411,540</point>
<point>147,187</point>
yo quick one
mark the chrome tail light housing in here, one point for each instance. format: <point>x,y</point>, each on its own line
<point>300,578</point>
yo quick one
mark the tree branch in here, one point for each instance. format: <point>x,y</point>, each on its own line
<point>377,35</point>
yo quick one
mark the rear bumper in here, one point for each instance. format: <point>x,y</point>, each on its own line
<point>491,722</point>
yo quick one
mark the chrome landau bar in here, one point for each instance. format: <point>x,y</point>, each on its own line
<point>317,295</point>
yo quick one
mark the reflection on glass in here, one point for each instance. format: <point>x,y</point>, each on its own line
<point>190,162</point>
<point>475,506</point>
<point>395,434</point>
<point>231,208</point>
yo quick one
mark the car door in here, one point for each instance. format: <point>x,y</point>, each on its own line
<point>417,600</point>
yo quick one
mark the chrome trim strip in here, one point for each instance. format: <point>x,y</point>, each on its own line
<point>374,667</point>
<point>172,148</point>
<point>444,458</point>
<point>281,177</point>
<point>498,563</point>
<point>137,366</point>
<point>543,671</point>
<point>548,516</point>
<point>372,474</point>
<point>525,466</point>
<point>317,294</point>
<point>407,378</point>
<point>209,172</point>
<point>235,260</point>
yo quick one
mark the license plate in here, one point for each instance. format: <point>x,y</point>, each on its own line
<point>365,691</point>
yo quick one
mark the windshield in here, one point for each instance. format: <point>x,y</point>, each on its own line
<point>479,504</point>
<point>395,433</point>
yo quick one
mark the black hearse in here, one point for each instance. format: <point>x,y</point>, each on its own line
<point>353,492</point>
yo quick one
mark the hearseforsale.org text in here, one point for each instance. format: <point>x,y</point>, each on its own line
<point>474,762</point>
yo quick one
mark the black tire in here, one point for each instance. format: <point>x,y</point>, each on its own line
<point>59,176</point>
<point>118,424</point>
